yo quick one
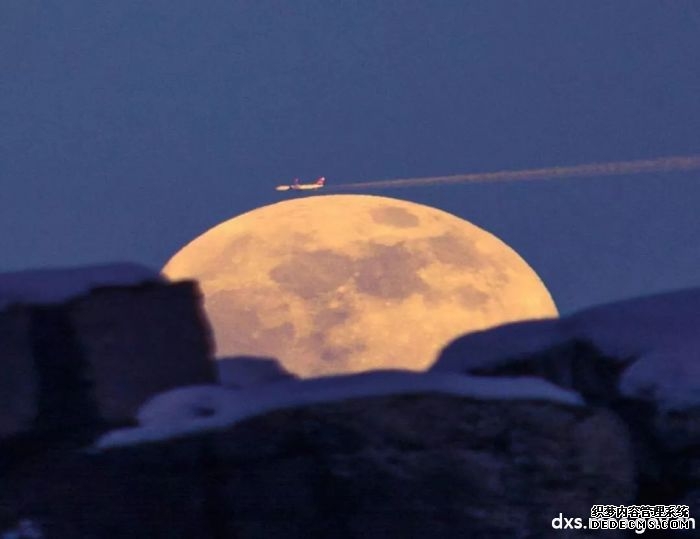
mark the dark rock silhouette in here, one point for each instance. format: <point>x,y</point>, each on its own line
<point>666,443</point>
<point>576,365</point>
<point>66,399</point>
<point>395,466</point>
<point>93,360</point>
<point>246,371</point>
<point>404,466</point>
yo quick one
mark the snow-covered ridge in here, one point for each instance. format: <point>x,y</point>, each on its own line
<point>61,284</point>
<point>660,333</point>
<point>200,408</point>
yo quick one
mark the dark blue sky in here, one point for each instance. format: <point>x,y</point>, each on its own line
<point>127,128</point>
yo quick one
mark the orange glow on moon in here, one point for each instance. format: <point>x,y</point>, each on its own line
<point>346,283</point>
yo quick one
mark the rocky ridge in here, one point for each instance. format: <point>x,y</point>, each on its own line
<point>395,465</point>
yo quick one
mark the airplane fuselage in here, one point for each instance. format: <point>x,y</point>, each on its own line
<point>297,186</point>
<point>305,187</point>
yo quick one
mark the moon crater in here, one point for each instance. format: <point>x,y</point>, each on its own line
<point>393,216</point>
<point>458,251</point>
<point>389,271</point>
<point>310,274</point>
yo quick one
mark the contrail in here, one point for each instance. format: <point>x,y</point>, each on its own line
<point>615,168</point>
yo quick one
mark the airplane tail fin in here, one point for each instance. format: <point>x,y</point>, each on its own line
<point>321,181</point>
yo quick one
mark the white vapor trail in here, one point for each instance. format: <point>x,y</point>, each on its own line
<point>615,168</point>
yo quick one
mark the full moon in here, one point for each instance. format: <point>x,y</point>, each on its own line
<point>347,283</point>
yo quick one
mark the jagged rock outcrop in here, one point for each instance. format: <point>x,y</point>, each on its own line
<point>18,383</point>
<point>94,359</point>
<point>666,442</point>
<point>395,466</point>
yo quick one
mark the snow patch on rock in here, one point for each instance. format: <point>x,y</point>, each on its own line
<point>196,409</point>
<point>57,285</point>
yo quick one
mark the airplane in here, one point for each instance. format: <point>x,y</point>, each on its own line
<point>296,186</point>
